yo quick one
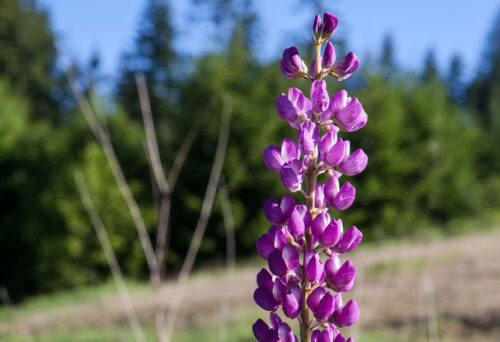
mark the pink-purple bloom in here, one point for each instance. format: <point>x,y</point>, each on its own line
<point>300,281</point>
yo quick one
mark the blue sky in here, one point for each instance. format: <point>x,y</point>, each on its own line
<point>447,26</point>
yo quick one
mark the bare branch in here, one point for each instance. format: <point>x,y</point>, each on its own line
<point>110,257</point>
<point>202,221</point>
<point>152,141</point>
<point>163,237</point>
<point>225,308</point>
<point>118,174</point>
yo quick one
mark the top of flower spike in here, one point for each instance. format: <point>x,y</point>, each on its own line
<point>324,30</point>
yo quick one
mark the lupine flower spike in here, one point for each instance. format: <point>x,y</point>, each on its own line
<point>306,243</point>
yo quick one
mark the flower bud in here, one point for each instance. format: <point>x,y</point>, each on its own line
<point>321,303</point>
<point>331,189</point>
<point>328,56</point>
<point>276,213</point>
<point>346,67</point>
<point>292,175</point>
<point>272,158</point>
<point>317,27</point>
<point>348,315</point>
<point>313,267</point>
<point>308,136</point>
<point>350,240</point>
<point>319,199</point>
<point>344,198</point>
<point>352,117</point>
<point>292,66</point>
<point>329,25</point>
<point>300,221</point>
<point>340,279</point>
<point>286,109</point>
<point>354,164</point>
<point>292,302</point>
<point>282,262</point>
<point>319,96</point>
<point>331,234</point>
<point>335,154</point>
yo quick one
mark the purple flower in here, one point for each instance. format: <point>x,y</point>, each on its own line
<point>347,112</point>
<point>284,261</point>
<point>275,158</point>
<point>320,200</point>
<point>328,56</point>
<point>286,109</point>
<point>313,266</point>
<point>263,295</point>
<point>340,278</point>
<point>339,199</point>
<point>292,175</point>
<point>321,303</point>
<point>278,214</point>
<point>319,96</point>
<point>308,136</point>
<point>292,66</point>
<point>350,240</point>
<point>302,104</point>
<point>329,25</point>
<point>275,238</point>
<point>279,331</point>
<point>317,27</point>
<point>354,163</point>
<point>326,335</point>
<point>325,230</point>
<point>292,302</point>
<point>300,220</point>
<point>348,315</point>
<point>346,67</point>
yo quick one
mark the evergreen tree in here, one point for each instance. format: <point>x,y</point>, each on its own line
<point>152,54</point>
<point>430,71</point>
<point>28,56</point>
<point>454,80</point>
<point>387,60</point>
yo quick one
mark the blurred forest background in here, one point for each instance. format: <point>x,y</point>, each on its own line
<point>432,138</point>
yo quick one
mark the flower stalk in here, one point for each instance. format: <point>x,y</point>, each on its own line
<point>304,244</point>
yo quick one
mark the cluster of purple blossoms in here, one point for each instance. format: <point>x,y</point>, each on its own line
<point>304,244</point>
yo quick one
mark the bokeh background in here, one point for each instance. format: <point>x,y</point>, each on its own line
<point>428,203</point>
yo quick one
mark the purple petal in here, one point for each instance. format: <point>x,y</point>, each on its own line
<point>326,143</point>
<point>265,299</point>
<point>344,278</point>
<point>350,240</point>
<point>290,176</point>
<point>353,117</point>
<point>331,234</point>
<point>289,151</point>
<point>314,267</point>
<point>331,189</point>
<point>285,333</point>
<point>276,263</point>
<point>275,321</point>
<point>265,280</point>
<point>317,26</point>
<point>319,198</point>
<point>272,158</point>
<point>290,256</point>
<point>328,56</point>
<point>347,66</point>
<point>287,205</point>
<point>273,212</point>
<point>345,197</point>
<point>285,108</point>
<point>292,66</point>
<point>319,224</point>
<point>300,221</point>
<point>315,297</point>
<point>279,290</point>
<point>349,314</point>
<point>319,96</point>
<point>264,246</point>
<point>260,330</point>
<point>355,163</point>
<point>329,25</point>
<point>291,306</point>
<point>308,136</point>
<point>325,307</point>
<point>336,153</point>
<point>338,102</point>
